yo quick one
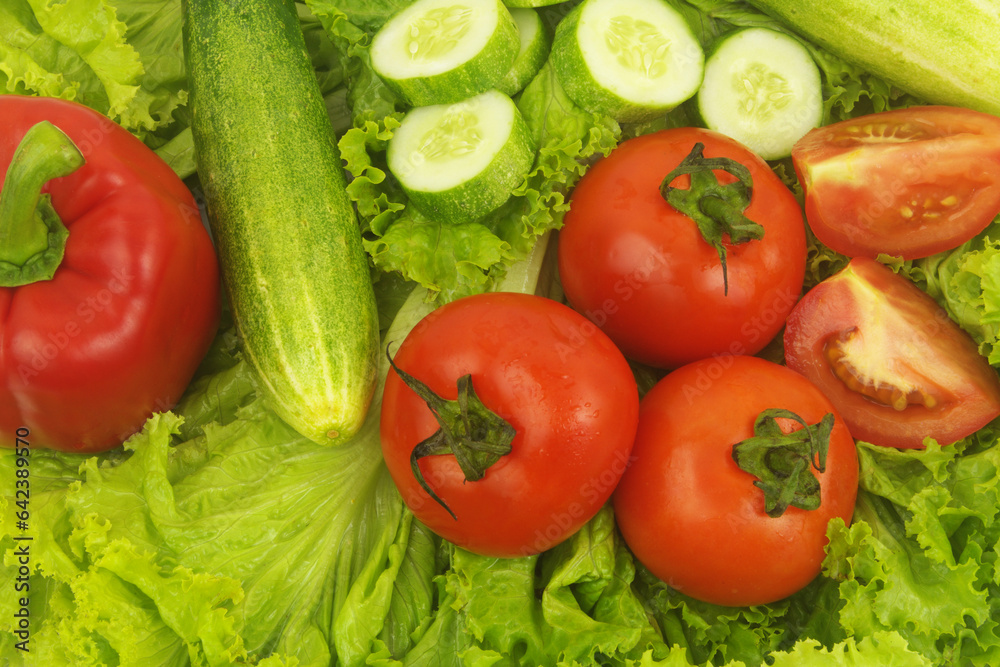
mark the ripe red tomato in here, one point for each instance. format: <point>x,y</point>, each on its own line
<point>642,271</point>
<point>892,361</point>
<point>555,378</point>
<point>694,518</point>
<point>910,182</point>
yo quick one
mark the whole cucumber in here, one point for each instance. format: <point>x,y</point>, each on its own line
<point>288,239</point>
<point>944,52</point>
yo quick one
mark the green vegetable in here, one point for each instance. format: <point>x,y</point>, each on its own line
<point>532,3</point>
<point>78,50</point>
<point>228,538</point>
<point>452,260</point>
<point>288,239</point>
<point>946,53</point>
<point>220,536</point>
<point>457,162</point>
<point>630,59</point>
<point>535,44</point>
<point>762,88</point>
<point>442,51</point>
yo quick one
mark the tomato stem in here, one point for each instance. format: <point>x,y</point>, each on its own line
<point>475,435</point>
<point>717,209</point>
<point>32,237</point>
<point>781,461</point>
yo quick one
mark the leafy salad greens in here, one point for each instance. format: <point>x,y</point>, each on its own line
<point>217,536</point>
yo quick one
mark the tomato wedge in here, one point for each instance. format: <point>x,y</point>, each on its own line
<point>890,359</point>
<point>909,182</point>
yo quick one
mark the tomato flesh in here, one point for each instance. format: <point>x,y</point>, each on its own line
<point>562,384</point>
<point>891,360</point>
<point>909,182</point>
<point>693,517</point>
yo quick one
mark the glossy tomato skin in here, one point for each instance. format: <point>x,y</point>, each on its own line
<point>909,182</point>
<point>561,383</point>
<point>896,337</point>
<point>693,517</point>
<point>640,269</point>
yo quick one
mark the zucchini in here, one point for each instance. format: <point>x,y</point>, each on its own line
<point>943,52</point>
<point>444,51</point>
<point>288,239</point>
<point>762,88</point>
<point>633,60</point>
<point>457,162</point>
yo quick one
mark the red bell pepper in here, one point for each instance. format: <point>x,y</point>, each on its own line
<point>109,282</point>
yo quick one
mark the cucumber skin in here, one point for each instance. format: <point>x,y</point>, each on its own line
<point>528,64</point>
<point>288,240</point>
<point>477,75</point>
<point>946,53</point>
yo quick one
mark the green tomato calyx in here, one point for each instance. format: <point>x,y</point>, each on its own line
<point>783,462</point>
<point>716,209</point>
<point>475,435</point>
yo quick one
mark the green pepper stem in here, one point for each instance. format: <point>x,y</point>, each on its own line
<point>32,238</point>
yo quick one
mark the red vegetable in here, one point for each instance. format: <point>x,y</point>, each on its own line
<point>910,182</point>
<point>697,519</point>
<point>892,361</point>
<point>553,407</point>
<point>93,342</point>
<point>677,267</point>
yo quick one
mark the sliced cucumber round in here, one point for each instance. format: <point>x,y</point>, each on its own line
<point>632,60</point>
<point>762,88</point>
<point>443,51</point>
<point>535,43</point>
<point>531,3</point>
<point>457,162</point>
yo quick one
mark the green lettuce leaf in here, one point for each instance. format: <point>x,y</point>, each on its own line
<point>966,283</point>
<point>122,58</point>
<point>75,50</point>
<point>366,14</point>
<point>920,557</point>
<point>154,31</point>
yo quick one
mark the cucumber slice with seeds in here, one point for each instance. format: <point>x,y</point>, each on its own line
<point>762,88</point>
<point>630,59</point>
<point>443,51</point>
<point>532,3</point>
<point>457,162</point>
<point>535,43</point>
